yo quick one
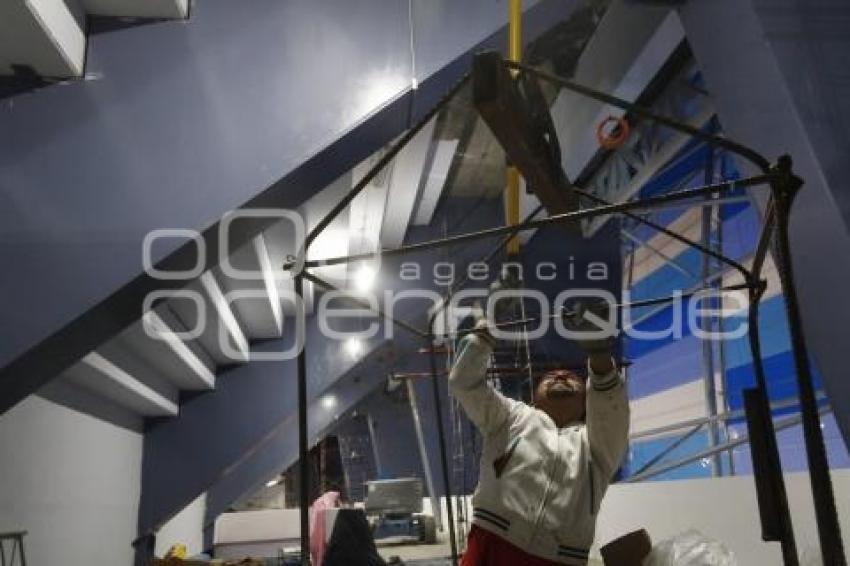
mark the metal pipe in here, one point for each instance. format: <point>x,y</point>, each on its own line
<point>726,200</point>
<point>513,178</point>
<point>303,448</point>
<point>738,414</point>
<point>633,304</point>
<point>680,196</point>
<point>723,142</point>
<point>423,454</point>
<point>486,259</point>
<point>721,346</point>
<point>709,389</point>
<point>376,453</point>
<point>787,539</point>
<point>785,189</point>
<point>673,445</point>
<point>515,31</point>
<point>743,439</point>
<point>362,303</point>
<point>441,436</point>
<point>667,259</point>
<point>666,231</point>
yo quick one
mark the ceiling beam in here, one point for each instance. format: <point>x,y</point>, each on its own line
<point>165,9</point>
<point>101,376</point>
<point>42,35</point>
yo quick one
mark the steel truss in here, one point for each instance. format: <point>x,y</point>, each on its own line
<point>783,185</point>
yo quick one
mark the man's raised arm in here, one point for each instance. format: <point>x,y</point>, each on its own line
<point>607,413</point>
<point>484,406</point>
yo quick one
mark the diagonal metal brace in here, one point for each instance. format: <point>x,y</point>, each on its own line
<point>516,112</point>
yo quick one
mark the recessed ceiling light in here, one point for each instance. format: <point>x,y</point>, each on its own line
<point>364,278</point>
<point>354,347</point>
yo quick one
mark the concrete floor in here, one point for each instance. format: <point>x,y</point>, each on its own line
<point>438,554</point>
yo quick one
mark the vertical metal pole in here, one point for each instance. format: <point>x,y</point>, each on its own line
<point>721,348</point>
<point>373,438</point>
<point>829,531</point>
<point>512,190</point>
<point>423,454</point>
<point>783,520</point>
<point>707,348</point>
<point>441,434</point>
<point>303,452</point>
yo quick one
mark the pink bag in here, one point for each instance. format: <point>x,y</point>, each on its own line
<point>318,511</point>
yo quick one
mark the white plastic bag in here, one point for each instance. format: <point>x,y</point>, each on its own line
<point>690,548</point>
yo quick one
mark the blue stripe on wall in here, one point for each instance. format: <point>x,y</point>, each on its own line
<point>781,379</point>
<point>641,452</point>
<point>677,364</point>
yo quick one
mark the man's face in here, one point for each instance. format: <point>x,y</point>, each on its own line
<point>561,394</point>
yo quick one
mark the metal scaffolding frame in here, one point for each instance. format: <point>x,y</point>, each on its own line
<point>783,185</point>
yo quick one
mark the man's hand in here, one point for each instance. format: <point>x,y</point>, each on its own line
<point>506,307</point>
<point>482,330</point>
<point>583,321</point>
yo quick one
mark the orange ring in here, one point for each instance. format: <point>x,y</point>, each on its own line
<point>620,132</point>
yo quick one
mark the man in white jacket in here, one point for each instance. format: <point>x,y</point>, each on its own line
<point>544,468</point>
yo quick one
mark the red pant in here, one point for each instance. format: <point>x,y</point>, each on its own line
<point>483,548</point>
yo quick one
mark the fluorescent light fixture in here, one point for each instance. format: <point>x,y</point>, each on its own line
<point>364,278</point>
<point>354,347</point>
<point>328,402</point>
<point>272,483</point>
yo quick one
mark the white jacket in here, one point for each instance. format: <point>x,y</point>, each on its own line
<point>539,487</point>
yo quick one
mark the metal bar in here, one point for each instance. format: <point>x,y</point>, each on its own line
<point>771,450</point>
<point>441,436</point>
<point>667,450</point>
<point>721,346</point>
<point>667,259</point>
<point>644,204</point>
<point>743,439</point>
<point>726,200</point>
<point>383,162</point>
<point>303,448</point>
<point>486,259</point>
<point>785,189</point>
<point>362,303</point>
<point>709,390</point>
<point>664,230</point>
<point>726,143</point>
<point>738,414</point>
<point>765,238</point>
<point>373,437</point>
<point>768,479</point>
<point>512,188</point>
<point>423,454</point>
<point>715,277</point>
<point>634,304</point>
<point>661,300</point>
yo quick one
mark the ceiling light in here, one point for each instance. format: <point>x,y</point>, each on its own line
<point>364,277</point>
<point>354,346</point>
<point>272,483</point>
<point>328,402</point>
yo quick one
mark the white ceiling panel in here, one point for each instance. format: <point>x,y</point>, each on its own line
<point>43,35</point>
<point>436,181</point>
<point>404,186</point>
<point>172,9</point>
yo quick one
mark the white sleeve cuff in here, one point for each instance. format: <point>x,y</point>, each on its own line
<point>606,381</point>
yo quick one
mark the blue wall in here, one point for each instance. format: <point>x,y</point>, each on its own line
<point>258,104</point>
